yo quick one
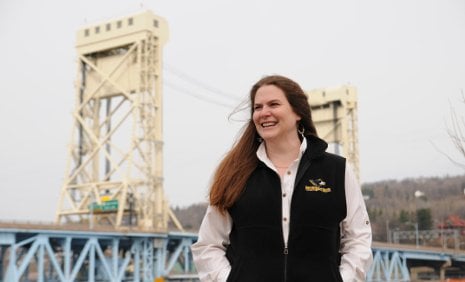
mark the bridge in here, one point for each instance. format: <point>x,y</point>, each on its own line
<point>400,262</point>
<point>41,252</point>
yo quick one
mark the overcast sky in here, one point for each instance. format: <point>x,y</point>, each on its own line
<point>406,59</point>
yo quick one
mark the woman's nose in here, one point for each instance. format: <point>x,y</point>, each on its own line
<point>265,111</point>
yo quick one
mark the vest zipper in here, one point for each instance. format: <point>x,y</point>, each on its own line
<point>285,252</point>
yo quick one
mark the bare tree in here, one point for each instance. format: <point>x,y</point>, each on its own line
<point>456,133</point>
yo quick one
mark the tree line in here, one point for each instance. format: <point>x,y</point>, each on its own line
<point>391,204</point>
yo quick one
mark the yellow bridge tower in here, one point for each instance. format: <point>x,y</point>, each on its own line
<point>335,114</point>
<point>114,174</point>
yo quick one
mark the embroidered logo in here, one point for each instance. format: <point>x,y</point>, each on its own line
<point>317,185</point>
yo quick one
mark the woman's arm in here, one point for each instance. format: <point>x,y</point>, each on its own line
<point>356,233</point>
<point>210,249</point>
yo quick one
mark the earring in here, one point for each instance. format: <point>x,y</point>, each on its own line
<point>301,131</point>
<point>259,139</point>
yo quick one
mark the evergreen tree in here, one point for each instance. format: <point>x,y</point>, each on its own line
<point>424,219</point>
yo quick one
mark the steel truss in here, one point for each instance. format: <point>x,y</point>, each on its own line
<point>387,266</point>
<point>114,174</point>
<point>65,256</point>
<point>398,263</point>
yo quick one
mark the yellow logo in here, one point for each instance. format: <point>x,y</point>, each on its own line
<point>317,185</point>
<point>317,189</point>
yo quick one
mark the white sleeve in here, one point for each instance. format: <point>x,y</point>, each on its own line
<point>209,252</point>
<point>355,233</point>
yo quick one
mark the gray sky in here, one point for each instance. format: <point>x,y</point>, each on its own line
<point>406,58</point>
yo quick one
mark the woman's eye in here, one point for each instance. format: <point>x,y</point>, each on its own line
<point>256,107</point>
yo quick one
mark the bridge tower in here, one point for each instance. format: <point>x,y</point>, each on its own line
<point>335,114</point>
<point>114,173</point>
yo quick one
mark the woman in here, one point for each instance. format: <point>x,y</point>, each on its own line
<point>281,208</point>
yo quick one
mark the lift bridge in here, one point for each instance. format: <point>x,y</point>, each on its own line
<point>113,222</point>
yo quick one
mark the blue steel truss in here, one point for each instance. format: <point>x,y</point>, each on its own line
<point>388,265</point>
<point>30,253</point>
<point>66,255</point>
<point>390,262</point>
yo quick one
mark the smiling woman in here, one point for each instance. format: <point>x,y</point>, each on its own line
<point>276,123</point>
<point>275,120</point>
<point>281,207</point>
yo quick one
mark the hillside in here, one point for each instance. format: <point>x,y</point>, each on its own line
<point>191,216</point>
<point>390,203</point>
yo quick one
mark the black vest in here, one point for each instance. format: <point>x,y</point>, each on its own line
<point>257,252</point>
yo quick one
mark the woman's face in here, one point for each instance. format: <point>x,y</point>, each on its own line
<point>272,115</point>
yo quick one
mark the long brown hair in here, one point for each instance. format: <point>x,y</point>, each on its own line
<point>232,173</point>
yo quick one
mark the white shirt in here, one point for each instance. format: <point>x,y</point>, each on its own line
<point>210,248</point>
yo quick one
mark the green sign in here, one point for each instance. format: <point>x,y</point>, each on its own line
<point>107,206</point>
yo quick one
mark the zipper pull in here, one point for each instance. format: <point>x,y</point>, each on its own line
<point>286,251</point>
